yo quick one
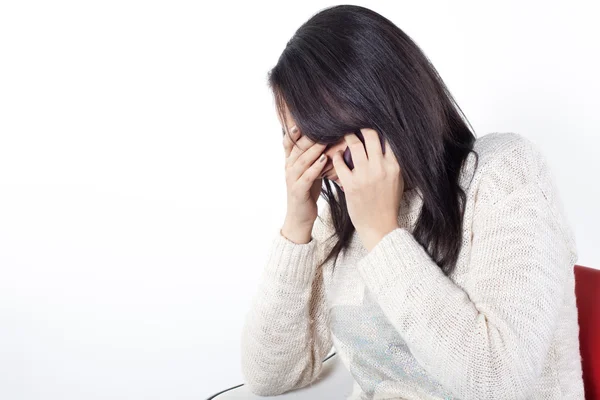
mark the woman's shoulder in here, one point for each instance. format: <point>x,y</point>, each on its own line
<point>513,168</point>
<point>509,149</point>
<point>507,162</point>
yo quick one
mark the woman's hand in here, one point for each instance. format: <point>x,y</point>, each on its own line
<point>373,189</point>
<point>302,169</point>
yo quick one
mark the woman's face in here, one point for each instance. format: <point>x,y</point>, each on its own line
<point>330,150</point>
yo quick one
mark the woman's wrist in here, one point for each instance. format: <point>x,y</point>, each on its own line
<point>296,233</point>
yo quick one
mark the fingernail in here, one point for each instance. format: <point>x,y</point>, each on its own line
<point>322,158</point>
<point>294,129</point>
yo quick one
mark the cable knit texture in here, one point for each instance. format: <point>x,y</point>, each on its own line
<point>503,325</point>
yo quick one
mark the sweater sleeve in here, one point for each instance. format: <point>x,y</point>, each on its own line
<point>286,331</point>
<point>487,339</point>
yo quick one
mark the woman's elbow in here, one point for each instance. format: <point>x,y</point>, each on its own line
<point>263,381</point>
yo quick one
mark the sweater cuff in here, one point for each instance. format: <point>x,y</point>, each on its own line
<point>291,263</point>
<point>396,262</point>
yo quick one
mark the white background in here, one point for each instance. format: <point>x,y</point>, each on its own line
<point>141,170</point>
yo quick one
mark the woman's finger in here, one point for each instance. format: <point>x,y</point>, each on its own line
<point>389,155</point>
<point>304,145</point>
<point>310,175</point>
<point>288,144</point>
<point>372,143</point>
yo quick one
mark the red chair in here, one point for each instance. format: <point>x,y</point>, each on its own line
<point>587,293</point>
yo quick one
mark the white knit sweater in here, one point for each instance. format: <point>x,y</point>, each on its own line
<point>503,325</point>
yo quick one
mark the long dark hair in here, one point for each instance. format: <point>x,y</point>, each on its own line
<point>349,67</point>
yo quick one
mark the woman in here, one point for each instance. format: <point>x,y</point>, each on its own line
<point>442,265</point>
